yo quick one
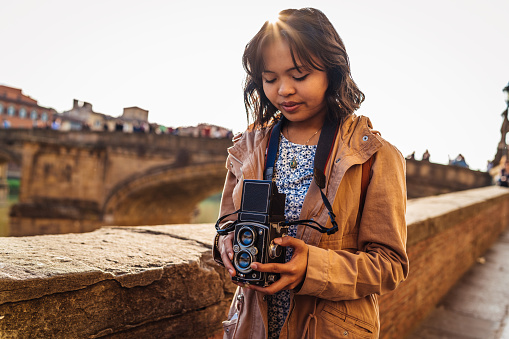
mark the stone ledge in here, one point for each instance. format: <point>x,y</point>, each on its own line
<point>134,256</point>
<point>112,280</point>
<point>431,215</point>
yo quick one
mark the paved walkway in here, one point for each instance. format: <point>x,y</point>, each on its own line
<point>477,307</point>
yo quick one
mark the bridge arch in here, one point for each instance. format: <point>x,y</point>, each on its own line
<point>162,195</point>
<point>9,156</point>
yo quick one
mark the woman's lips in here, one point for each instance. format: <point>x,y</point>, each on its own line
<point>290,106</point>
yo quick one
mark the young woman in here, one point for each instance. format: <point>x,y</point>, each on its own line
<point>298,74</point>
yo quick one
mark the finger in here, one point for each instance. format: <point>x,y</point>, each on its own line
<point>272,267</point>
<point>238,283</point>
<point>290,242</point>
<point>228,245</point>
<point>227,264</point>
<point>271,289</point>
<point>227,253</point>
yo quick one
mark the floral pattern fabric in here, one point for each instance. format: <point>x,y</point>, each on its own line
<point>293,181</point>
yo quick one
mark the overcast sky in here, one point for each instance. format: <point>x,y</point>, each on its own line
<point>432,71</point>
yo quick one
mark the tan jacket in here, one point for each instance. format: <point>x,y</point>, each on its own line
<point>347,270</point>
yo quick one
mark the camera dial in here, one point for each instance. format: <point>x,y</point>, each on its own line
<point>274,250</point>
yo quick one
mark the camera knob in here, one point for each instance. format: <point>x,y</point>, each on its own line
<point>236,248</point>
<point>253,250</point>
<point>274,250</point>
<point>271,278</point>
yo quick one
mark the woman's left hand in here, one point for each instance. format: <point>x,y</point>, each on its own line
<point>292,273</point>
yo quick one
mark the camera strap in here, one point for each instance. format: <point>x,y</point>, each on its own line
<point>272,150</point>
<point>323,151</point>
<point>229,226</point>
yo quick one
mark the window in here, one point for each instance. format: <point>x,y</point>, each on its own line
<point>33,115</point>
<point>1,108</point>
<point>22,113</point>
<point>11,111</point>
<point>44,116</point>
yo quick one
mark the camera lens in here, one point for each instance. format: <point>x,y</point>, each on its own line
<point>244,260</point>
<point>246,237</point>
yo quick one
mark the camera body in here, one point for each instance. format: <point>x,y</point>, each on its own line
<point>259,223</point>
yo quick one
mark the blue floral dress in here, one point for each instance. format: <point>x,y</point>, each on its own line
<point>294,173</point>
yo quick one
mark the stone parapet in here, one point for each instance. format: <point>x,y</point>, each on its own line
<point>115,282</point>
<point>446,235</point>
<point>425,178</point>
<point>161,282</point>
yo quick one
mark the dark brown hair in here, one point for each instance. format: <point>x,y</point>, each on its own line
<point>311,38</point>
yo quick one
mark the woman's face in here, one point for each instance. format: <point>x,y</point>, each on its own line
<point>299,93</point>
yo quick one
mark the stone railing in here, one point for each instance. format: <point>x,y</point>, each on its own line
<point>161,282</point>
<point>425,178</point>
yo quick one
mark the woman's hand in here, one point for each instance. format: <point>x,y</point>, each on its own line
<point>225,247</point>
<point>292,272</point>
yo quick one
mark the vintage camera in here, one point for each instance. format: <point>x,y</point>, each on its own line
<point>259,223</point>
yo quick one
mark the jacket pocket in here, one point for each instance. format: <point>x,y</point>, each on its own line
<point>336,322</point>
<point>230,325</point>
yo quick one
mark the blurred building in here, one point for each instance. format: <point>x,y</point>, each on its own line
<point>82,116</point>
<point>204,131</point>
<point>135,113</point>
<point>18,110</point>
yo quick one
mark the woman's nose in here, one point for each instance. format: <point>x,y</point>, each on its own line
<point>286,89</point>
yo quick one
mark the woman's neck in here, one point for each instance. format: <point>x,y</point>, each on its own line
<point>302,133</point>
<point>306,132</point>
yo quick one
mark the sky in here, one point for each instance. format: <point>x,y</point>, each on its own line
<point>432,71</point>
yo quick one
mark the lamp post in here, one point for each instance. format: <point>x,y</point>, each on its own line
<point>506,92</point>
<point>505,124</point>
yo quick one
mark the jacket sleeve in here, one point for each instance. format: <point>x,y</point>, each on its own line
<point>381,262</point>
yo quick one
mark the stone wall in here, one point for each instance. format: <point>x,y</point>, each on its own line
<point>161,282</point>
<point>446,234</point>
<point>425,178</point>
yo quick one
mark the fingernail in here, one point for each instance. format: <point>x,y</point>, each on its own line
<point>278,240</point>
<point>254,266</point>
<point>230,255</point>
<point>232,272</point>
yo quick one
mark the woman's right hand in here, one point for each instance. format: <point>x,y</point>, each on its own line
<point>225,247</point>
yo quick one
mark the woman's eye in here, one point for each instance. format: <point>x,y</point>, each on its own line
<point>270,81</point>
<point>301,78</point>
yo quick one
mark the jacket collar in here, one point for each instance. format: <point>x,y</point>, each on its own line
<point>354,145</point>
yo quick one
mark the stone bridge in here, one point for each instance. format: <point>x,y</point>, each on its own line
<point>78,181</point>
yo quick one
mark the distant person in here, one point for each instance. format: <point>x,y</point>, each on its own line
<point>119,126</point>
<point>489,166</point>
<point>6,123</point>
<point>425,156</point>
<point>411,156</point>
<point>460,161</point>
<point>504,176</point>
<point>55,125</point>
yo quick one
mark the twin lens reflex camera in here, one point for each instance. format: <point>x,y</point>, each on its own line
<point>260,221</point>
